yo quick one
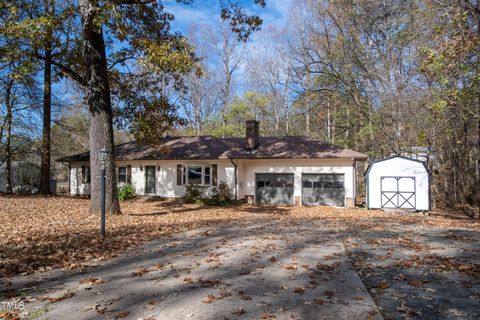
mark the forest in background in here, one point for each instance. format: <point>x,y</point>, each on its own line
<point>379,77</point>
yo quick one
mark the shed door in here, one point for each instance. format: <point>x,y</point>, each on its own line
<point>398,192</point>
<point>323,189</point>
<point>274,188</point>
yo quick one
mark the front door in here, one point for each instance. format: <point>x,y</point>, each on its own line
<point>149,179</point>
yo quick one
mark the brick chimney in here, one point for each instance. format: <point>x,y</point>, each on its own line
<point>252,134</point>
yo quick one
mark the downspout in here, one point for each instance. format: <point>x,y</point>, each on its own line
<point>367,187</point>
<point>354,183</point>
<point>234,177</point>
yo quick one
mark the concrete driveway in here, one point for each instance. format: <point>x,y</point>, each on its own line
<point>244,270</point>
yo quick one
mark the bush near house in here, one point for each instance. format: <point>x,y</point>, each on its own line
<point>221,195</point>
<point>25,189</point>
<point>192,194</point>
<point>126,192</point>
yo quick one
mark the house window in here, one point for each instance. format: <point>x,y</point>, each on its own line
<point>197,174</point>
<point>194,174</point>
<point>206,176</point>
<point>122,174</point>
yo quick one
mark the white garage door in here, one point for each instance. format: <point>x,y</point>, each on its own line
<point>274,188</point>
<point>398,192</point>
<point>323,189</point>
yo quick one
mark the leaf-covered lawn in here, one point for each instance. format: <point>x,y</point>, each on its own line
<point>38,233</point>
<point>414,265</point>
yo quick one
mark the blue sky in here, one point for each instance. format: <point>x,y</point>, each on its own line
<point>206,11</point>
<point>203,12</point>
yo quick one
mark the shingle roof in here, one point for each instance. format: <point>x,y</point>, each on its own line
<point>209,147</point>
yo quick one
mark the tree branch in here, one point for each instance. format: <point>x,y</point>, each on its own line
<point>120,2</point>
<point>68,71</point>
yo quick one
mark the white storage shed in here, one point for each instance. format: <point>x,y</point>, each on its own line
<point>398,182</point>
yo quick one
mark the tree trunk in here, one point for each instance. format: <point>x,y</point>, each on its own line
<point>100,108</point>
<point>329,122</point>
<point>225,103</point>
<point>47,107</point>
<point>477,164</point>
<point>307,121</point>
<point>8,172</point>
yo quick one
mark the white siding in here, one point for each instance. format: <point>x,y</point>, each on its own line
<point>241,180</point>
<point>398,167</point>
<point>76,185</point>
<point>297,167</point>
<point>165,177</point>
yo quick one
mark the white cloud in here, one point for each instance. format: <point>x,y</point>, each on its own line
<point>185,15</point>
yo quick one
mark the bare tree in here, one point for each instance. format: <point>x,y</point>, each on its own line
<point>269,71</point>
<point>230,53</point>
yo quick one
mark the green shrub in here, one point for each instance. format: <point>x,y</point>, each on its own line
<point>221,195</point>
<point>126,192</point>
<point>192,194</point>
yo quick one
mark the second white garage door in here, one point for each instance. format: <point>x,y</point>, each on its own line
<point>323,189</point>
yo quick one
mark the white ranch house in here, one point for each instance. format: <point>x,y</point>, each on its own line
<point>271,170</point>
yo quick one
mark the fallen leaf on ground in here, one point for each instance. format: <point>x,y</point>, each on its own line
<point>292,266</point>
<point>225,294</point>
<point>209,298</point>
<point>100,310</point>
<point>151,304</point>
<point>239,311</point>
<point>329,293</point>
<point>299,290</point>
<point>416,282</point>
<point>9,315</point>
<point>382,286</point>
<point>372,314</point>
<point>92,281</point>
<point>244,295</point>
<point>158,266</point>
<point>324,267</point>
<point>57,299</point>
<point>121,315</point>
<point>140,272</point>
<point>211,283</point>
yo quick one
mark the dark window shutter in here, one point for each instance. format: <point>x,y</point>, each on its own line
<point>179,174</point>
<point>129,174</point>
<point>84,174</point>
<point>214,174</point>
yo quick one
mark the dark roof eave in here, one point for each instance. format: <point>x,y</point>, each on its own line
<point>209,148</point>
<point>72,159</point>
